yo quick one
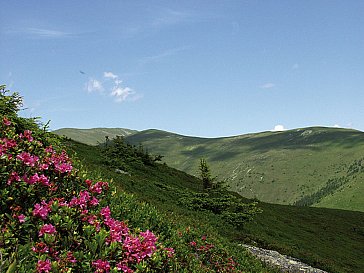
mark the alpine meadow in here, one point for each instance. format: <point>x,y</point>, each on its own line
<point>195,136</point>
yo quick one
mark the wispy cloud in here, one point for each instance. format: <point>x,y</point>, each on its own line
<point>165,54</point>
<point>40,32</point>
<point>113,86</point>
<point>267,85</point>
<point>110,75</point>
<point>94,86</point>
<point>121,93</point>
<point>169,17</point>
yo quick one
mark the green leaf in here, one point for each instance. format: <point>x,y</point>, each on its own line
<point>12,267</point>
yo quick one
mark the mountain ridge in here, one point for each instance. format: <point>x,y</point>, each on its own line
<point>307,166</point>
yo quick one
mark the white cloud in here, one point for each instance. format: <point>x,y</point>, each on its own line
<point>112,85</point>
<point>94,86</point>
<point>278,128</point>
<point>110,75</point>
<point>121,93</point>
<point>267,85</point>
<point>336,126</point>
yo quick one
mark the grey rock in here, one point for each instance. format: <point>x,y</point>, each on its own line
<point>282,262</point>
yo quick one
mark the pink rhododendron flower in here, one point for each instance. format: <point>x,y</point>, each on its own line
<point>63,167</point>
<point>40,248</point>
<point>105,212</point>
<point>9,143</point>
<point>42,210</point>
<point>32,179</point>
<point>117,228</point>
<point>42,179</point>
<point>44,266</point>
<point>28,135</point>
<point>14,176</point>
<point>123,266</point>
<point>82,201</point>
<point>170,252</point>
<point>28,159</point>
<point>35,178</point>
<point>21,218</point>
<point>6,121</point>
<point>71,258</point>
<point>98,187</point>
<point>88,182</point>
<point>101,266</point>
<point>47,229</point>
<point>43,166</point>
<point>94,201</point>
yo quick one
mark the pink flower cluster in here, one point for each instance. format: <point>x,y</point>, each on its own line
<point>27,135</point>
<point>47,229</point>
<point>28,159</point>
<point>101,266</point>
<point>41,210</point>
<point>74,207</point>
<point>44,266</point>
<point>61,162</point>
<point>36,178</point>
<point>84,200</point>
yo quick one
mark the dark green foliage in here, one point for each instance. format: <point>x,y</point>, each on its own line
<point>119,154</point>
<point>10,104</point>
<point>230,207</point>
<point>205,174</point>
<point>325,238</point>
<point>331,186</point>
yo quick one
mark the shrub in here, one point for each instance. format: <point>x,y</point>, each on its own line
<point>51,219</point>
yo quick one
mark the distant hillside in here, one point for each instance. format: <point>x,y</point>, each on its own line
<point>93,136</point>
<point>314,166</point>
<point>329,239</point>
<point>311,166</point>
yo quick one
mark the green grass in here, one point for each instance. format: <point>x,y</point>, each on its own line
<point>329,239</point>
<point>93,136</point>
<point>275,167</point>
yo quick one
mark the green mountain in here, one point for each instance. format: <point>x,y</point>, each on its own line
<point>93,136</point>
<point>329,239</point>
<point>310,166</point>
<point>314,166</point>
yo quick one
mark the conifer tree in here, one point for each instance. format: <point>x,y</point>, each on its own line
<point>205,175</point>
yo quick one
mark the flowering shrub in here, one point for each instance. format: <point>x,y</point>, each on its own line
<point>54,219</point>
<point>60,218</point>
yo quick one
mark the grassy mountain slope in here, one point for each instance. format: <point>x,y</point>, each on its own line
<point>326,238</point>
<point>93,136</point>
<point>322,164</point>
<point>314,166</point>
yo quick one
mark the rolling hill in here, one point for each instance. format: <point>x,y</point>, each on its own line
<point>329,239</point>
<point>93,136</point>
<point>315,166</point>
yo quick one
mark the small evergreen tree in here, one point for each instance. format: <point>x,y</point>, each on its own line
<point>205,175</point>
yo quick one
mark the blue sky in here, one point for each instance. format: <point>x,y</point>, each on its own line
<point>204,68</point>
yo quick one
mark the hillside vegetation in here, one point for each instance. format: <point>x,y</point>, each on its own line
<point>314,166</point>
<point>325,238</point>
<point>58,216</point>
<point>94,136</point>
